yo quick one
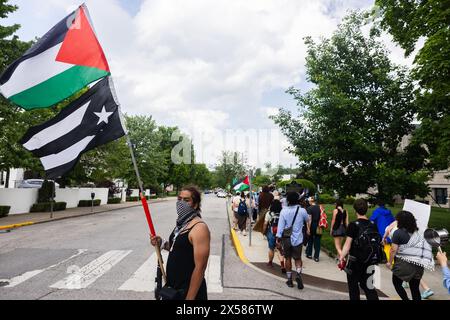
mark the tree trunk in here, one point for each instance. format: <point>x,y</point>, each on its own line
<point>7,178</point>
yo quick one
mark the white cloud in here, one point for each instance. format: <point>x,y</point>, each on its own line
<point>200,63</point>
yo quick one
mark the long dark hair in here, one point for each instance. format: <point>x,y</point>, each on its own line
<point>276,206</point>
<point>339,203</point>
<point>195,194</point>
<point>406,220</point>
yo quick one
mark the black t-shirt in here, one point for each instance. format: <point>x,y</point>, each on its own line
<point>353,232</point>
<point>314,212</point>
<point>401,236</point>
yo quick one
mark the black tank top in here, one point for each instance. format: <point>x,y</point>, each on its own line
<point>341,217</point>
<point>181,264</point>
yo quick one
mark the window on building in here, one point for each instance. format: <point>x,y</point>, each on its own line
<point>441,195</point>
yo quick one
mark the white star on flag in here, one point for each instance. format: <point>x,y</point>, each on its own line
<point>103,116</point>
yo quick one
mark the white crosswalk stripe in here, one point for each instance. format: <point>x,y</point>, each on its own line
<point>82,278</point>
<point>143,280</point>
<point>30,274</point>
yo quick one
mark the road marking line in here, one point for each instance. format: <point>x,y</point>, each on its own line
<point>143,280</point>
<point>30,274</point>
<point>212,275</point>
<point>82,278</point>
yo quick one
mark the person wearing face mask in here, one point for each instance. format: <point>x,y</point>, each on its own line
<point>188,246</point>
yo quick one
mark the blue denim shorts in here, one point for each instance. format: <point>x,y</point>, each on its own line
<point>271,239</point>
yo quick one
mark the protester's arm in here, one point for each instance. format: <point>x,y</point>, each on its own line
<point>200,239</point>
<point>308,219</point>
<point>332,221</point>
<point>163,244</point>
<point>281,225</point>
<point>442,259</point>
<point>392,254</point>
<point>346,248</point>
<point>388,230</point>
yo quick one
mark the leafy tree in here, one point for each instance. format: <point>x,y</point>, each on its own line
<point>230,166</point>
<point>410,22</point>
<point>146,139</point>
<point>262,180</point>
<point>351,123</point>
<point>12,154</point>
<point>202,176</point>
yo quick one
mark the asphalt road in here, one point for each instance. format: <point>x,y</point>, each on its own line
<point>108,256</point>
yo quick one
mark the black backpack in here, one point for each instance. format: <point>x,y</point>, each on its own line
<point>242,209</point>
<point>273,223</point>
<point>368,244</point>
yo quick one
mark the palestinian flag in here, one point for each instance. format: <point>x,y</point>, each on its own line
<point>63,61</point>
<point>243,185</point>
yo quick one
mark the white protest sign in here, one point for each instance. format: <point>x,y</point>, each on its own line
<point>420,211</point>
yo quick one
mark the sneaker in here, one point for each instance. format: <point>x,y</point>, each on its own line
<point>244,233</point>
<point>426,294</point>
<point>299,282</point>
<point>316,259</point>
<point>309,257</point>
<point>405,285</point>
<point>289,283</point>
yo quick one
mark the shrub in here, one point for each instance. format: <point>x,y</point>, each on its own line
<point>46,207</point>
<point>45,192</point>
<point>326,199</point>
<point>114,200</point>
<point>349,200</point>
<point>132,199</point>
<point>4,211</point>
<point>88,203</point>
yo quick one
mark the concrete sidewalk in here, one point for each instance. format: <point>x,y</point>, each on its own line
<point>20,220</point>
<point>325,273</point>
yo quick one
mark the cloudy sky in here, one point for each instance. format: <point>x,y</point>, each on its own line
<point>216,69</point>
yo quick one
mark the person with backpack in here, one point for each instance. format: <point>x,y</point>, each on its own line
<point>339,224</point>
<point>242,214</point>
<point>290,237</point>
<point>270,227</point>
<point>364,250</point>
<point>383,218</point>
<point>234,208</point>
<point>410,255</point>
<point>316,228</point>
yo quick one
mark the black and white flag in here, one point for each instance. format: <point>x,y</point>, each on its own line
<point>92,120</point>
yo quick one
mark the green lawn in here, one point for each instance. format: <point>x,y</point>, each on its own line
<point>439,218</point>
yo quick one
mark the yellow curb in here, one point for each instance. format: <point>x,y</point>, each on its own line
<point>237,245</point>
<point>13,226</point>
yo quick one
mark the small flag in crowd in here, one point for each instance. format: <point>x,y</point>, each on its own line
<point>243,185</point>
<point>63,61</point>
<point>92,120</point>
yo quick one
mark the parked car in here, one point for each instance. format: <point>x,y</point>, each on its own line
<point>33,183</point>
<point>222,194</point>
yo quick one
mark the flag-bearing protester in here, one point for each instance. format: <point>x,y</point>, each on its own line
<point>92,120</point>
<point>59,64</point>
<point>188,246</point>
